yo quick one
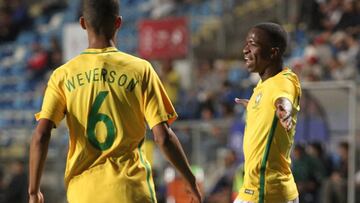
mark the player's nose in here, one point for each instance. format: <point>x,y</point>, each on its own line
<point>246,49</point>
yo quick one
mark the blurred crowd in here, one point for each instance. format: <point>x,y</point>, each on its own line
<point>13,185</point>
<point>326,40</point>
<point>214,85</point>
<point>21,15</point>
<point>324,46</point>
<point>320,176</point>
<point>14,17</point>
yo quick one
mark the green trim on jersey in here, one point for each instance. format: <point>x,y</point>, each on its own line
<point>148,172</point>
<point>89,52</point>
<point>264,160</point>
<point>286,74</point>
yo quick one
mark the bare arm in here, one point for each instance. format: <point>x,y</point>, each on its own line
<point>284,112</point>
<point>38,152</point>
<point>243,102</point>
<point>169,144</point>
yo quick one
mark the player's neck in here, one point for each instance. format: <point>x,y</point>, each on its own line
<point>270,71</point>
<point>100,42</point>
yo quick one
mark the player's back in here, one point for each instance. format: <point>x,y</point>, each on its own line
<point>107,94</point>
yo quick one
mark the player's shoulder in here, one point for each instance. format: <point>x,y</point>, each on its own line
<point>130,59</point>
<point>288,75</point>
<point>287,72</point>
<point>57,72</point>
<point>287,78</point>
<point>63,69</point>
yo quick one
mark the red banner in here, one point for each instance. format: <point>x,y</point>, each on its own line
<point>163,39</point>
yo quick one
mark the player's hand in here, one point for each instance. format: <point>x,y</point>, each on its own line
<point>196,194</point>
<point>243,102</point>
<point>36,198</point>
<point>284,116</point>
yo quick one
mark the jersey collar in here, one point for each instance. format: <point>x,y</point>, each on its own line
<point>284,70</point>
<point>100,51</point>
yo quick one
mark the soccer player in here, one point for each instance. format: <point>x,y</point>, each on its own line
<point>106,97</point>
<point>271,119</point>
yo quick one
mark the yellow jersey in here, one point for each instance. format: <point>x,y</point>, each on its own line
<point>267,145</point>
<point>107,97</point>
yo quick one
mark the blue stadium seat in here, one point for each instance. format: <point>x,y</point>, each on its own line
<point>41,20</point>
<point>18,69</point>
<point>26,38</point>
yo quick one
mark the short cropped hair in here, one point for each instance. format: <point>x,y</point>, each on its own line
<point>101,15</point>
<point>278,36</point>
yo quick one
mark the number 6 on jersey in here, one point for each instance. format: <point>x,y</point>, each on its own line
<point>95,117</point>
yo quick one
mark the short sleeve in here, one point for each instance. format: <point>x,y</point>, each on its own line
<point>157,105</point>
<point>54,103</point>
<point>288,88</point>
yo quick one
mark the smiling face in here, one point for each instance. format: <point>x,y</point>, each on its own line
<point>257,51</point>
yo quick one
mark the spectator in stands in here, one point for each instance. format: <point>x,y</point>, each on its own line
<point>358,62</point>
<point>302,168</point>
<point>235,138</point>
<point>335,187</point>
<point>239,78</point>
<point>52,6</point>
<point>55,58</point>
<point>343,65</point>
<point>357,185</point>
<point>2,186</point>
<point>222,190</point>
<point>226,97</point>
<point>188,105</point>
<point>20,15</point>
<point>159,8</point>
<point>319,169</point>
<point>16,191</point>
<point>37,64</point>
<point>322,46</point>
<point>320,159</point>
<point>207,109</point>
<point>7,28</point>
<point>311,69</point>
<point>171,80</point>
<point>312,123</point>
<point>309,14</point>
<point>208,84</point>
<point>350,17</point>
<point>14,17</point>
<point>333,11</point>
<point>238,180</point>
<point>207,81</point>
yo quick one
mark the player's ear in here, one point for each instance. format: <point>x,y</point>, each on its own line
<point>82,22</point>
<point>275,53</point>
<point>118,22</point>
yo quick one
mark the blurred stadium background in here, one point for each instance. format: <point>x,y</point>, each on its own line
<point>196,48</point>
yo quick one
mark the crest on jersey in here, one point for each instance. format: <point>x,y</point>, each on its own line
<point>257,99</point>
